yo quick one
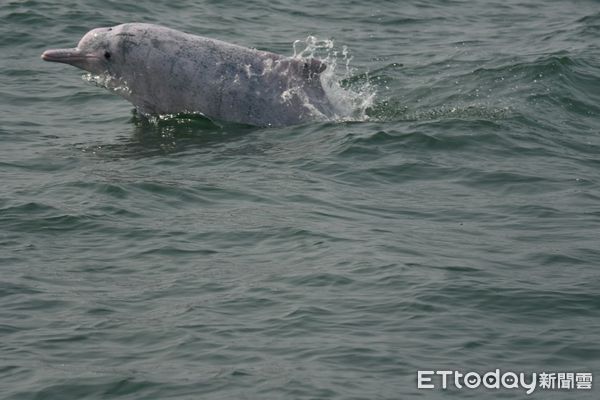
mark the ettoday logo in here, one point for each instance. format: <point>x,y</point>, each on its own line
<point>504,380</point>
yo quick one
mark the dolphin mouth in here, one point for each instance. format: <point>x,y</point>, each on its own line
<point>66,56</point>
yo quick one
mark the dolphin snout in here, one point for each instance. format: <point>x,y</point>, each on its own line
<point>67,56</point>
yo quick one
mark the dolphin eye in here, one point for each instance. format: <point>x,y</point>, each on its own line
<point>107,55</point>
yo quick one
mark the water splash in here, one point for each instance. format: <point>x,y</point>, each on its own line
<point>350,103</point>
<point>106,81</point>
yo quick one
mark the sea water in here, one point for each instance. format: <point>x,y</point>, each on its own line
<point>452,224</point>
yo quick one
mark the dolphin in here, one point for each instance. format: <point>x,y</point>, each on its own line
<point>165,71</point>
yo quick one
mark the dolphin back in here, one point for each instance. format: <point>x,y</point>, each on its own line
<point>168,71</point>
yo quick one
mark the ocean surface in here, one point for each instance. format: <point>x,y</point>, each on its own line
<point>452,224</point>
